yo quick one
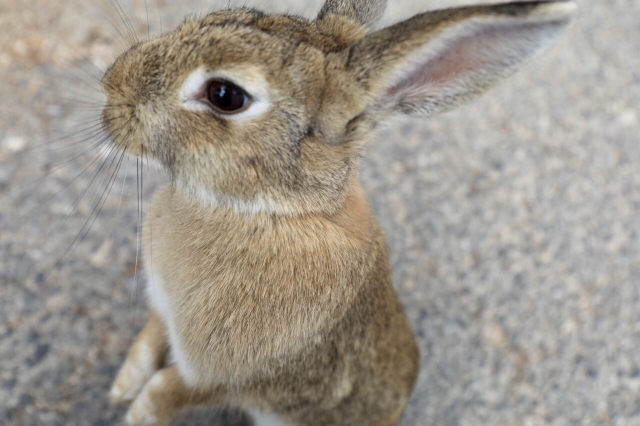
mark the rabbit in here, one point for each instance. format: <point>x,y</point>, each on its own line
<point>268,277</point>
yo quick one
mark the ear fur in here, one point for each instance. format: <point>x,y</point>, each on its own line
<point>436,61</point>
<point>365,12</point>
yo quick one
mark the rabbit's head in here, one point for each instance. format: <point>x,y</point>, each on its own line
<point>269,113</point>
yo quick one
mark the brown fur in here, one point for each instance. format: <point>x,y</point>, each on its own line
<point>366,13</point>
<point>272,290</point>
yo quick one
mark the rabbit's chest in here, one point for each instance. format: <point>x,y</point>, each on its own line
<point>236,291</point>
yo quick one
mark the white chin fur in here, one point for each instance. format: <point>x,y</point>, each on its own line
<point>259,205</point>
<point>249,78</point>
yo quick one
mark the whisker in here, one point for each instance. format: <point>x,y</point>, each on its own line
<point>93,85</point>
<point>91,130</point>
<point>82,173</point>
<point>125,20</point>
<point>82,194</point>
<point>98,129</point>
<point>60,166</point>
<point>122,40</point>
<point>84,107</point>
<point>159,16</point>
<point>88,69</point>
<point>97,77</point>
<point>76,97</point>
<point>84,230</point>
<point>124,30</point>
<point>124,181</point>
<point>94,213</point>
<point>133,307</point>
<point>146,9</point>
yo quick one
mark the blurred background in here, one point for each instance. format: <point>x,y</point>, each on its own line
<point>513,225</point>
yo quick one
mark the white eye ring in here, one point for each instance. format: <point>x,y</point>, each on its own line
<point>193,91</point>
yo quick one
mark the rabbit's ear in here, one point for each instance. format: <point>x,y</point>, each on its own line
<point>439,60</point>
<point>365,12</point>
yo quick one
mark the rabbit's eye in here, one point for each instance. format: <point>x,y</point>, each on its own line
<point>227,98</point>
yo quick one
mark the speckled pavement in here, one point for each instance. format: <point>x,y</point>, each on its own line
<point>513,226</point>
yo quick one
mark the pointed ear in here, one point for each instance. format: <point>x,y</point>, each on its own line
<point>438,60</point>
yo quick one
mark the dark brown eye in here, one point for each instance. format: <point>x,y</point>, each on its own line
<point>227,98</point>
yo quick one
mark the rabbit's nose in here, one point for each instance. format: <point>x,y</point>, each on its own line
<point>128,80</point>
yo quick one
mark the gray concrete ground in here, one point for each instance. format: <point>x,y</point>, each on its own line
<point>513,226</point>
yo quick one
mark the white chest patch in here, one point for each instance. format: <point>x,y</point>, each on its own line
<point>262,419</point>
<point>159,301</point>
<point>157,296</point>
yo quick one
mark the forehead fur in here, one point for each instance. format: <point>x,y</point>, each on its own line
<point>330,36</point>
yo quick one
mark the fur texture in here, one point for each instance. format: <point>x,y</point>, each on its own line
<point>269,281</point>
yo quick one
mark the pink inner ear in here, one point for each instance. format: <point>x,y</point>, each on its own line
<point>466,58</point>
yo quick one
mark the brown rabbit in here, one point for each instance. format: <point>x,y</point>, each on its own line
<point>268,277</point>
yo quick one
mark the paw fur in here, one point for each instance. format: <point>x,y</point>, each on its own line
<point>132,377</point>
<point>143,411</point>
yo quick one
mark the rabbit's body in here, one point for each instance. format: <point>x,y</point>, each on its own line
<point>268,277</point>
<point>291,315</point>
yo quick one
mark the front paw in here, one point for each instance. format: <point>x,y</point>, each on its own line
<point>133,376</point>
<point>164,396</point>
<point>143,411</point>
